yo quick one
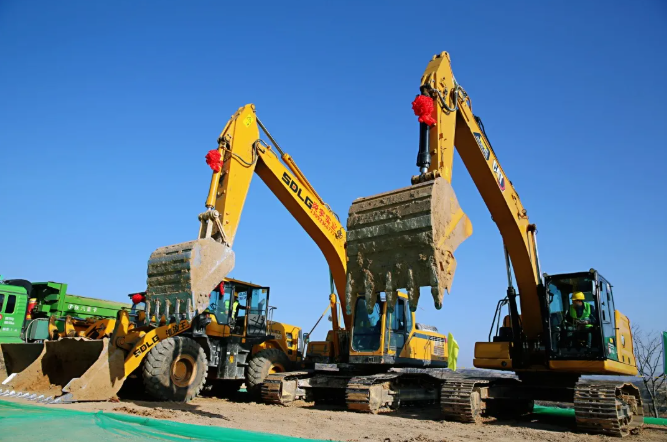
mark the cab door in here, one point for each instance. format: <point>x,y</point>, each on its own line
<point>12,315</point>
<point>607,319</point>
<point>397,328</point>
<point>258,306</point>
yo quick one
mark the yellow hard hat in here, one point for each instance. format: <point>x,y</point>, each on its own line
<point>578,296</point>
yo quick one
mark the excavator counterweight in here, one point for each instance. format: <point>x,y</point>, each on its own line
<point>404,239</point>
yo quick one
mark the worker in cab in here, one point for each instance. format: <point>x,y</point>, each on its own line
<point>581,318</point>
<point>234,323</point>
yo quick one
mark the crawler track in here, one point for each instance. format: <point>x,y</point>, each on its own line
<point>371,394</point>
<point>461,399</point>
<point>282,388</point>
<point>609,408</point>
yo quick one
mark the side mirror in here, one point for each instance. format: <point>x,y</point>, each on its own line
<point>306,338</point>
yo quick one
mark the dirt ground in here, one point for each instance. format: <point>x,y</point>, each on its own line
<point>332,423</point>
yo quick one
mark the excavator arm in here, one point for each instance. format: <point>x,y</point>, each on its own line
<point>461,129</point>
<point>447,123</point>
<point>243,154</point>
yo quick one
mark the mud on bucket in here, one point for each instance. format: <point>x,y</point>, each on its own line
<point>405,238</point>
<point>188,271</point>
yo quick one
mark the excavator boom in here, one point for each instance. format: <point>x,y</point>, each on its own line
<point>188,272</point>
<point>421,225</point>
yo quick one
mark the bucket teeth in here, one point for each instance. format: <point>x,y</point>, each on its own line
<point>390,293</point>
<point>369,291</point>
<point>413,292</point>
<point>405,239</point>
<point>348,293</point>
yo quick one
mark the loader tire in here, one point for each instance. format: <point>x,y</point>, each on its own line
<point>262,364</point>
<point>175,370</point>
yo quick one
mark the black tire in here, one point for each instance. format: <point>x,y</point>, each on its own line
<point>175,370</point>
<point>263,362</point>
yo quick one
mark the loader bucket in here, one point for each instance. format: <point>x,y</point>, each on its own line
<point>404,239</point>
<point>188,272</point>
<point>71,370</point>
<point>14,358</point>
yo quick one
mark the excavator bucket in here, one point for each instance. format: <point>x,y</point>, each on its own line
<point>70,370</point>
<point>14,358</point>
<point>186,273</point>
<point>404,239</point>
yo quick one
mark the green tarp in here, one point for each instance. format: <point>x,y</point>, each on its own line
<point>28,423</point>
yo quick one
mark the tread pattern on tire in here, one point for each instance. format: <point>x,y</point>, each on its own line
<point>157,368</point>
<point>259,364</point>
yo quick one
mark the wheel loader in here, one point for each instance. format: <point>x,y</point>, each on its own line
<point>559,328</point>
<point>174,352</point>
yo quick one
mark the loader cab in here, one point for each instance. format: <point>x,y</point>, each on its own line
<point>243,307</point>
<point>568,337</point>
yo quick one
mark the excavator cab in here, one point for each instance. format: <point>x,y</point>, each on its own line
<point>391,336</point>
<point>587,331</point>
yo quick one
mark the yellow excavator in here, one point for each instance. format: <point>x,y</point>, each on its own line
<point>369,343</point>
<point>559,327</point>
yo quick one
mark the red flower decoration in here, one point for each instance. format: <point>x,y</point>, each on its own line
<point>214,160</point>
<point>424,109</point>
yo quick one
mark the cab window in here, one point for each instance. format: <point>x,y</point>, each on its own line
<point>396,322</point>
<point>219,303</point>
<point>367,327</point>
<point>11,303</point>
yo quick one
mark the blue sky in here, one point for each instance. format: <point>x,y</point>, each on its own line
<point>107,110</point>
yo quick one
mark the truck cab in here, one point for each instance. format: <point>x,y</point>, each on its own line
<point>13,306</point>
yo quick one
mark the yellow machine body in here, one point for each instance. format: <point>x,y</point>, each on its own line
<point>549,339</point>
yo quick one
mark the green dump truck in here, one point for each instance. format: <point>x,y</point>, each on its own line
<point>25,308</point>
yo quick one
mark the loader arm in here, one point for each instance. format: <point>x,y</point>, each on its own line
<point>244,154</point>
